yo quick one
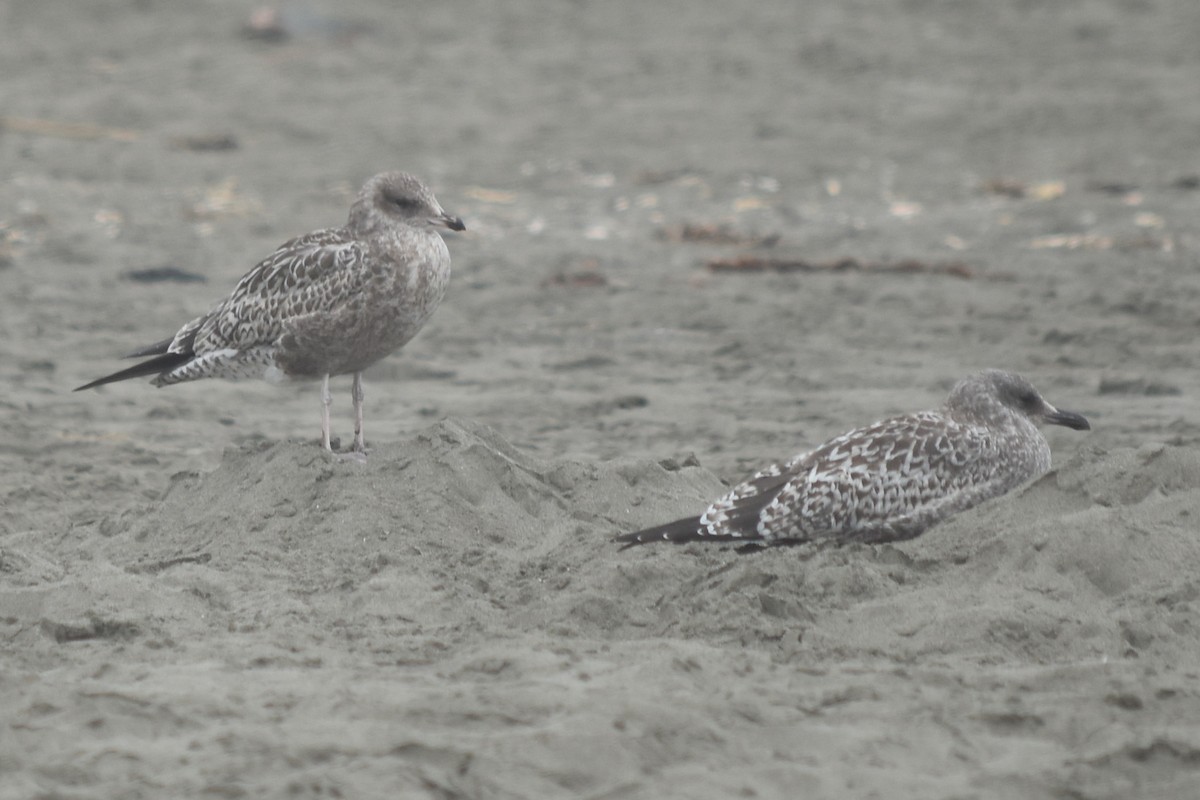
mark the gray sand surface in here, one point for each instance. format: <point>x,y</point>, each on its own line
<point>196,601</point>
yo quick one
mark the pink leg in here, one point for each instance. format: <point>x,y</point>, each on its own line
<point>356,391</point>
<point>326,402</point>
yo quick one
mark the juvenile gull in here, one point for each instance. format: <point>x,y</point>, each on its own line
<point>331,302</point>
<point>890,480</point>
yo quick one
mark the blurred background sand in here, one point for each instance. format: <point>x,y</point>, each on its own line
<point>701,236</point>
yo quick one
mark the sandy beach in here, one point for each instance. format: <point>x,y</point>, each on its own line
<point>701,237</point>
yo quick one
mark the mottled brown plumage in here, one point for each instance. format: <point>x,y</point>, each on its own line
<point>331,302</point>
<point>890,480</point>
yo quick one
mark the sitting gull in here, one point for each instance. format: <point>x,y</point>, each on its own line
<point>890,480</point>
<point>331,302</point>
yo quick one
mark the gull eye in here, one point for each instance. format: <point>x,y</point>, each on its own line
<point>402,202</point>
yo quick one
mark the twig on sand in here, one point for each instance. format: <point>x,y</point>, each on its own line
<point>159,566</point>
<point>67,130</point>
<point>748,263</point>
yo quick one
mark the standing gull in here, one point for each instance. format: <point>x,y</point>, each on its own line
<point>890,480</point>
<point>331,302</point>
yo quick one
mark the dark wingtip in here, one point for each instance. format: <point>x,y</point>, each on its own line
<point>95,383</point>
<point>156,349</point>
<point>678,532</point>
<point>155,366</point>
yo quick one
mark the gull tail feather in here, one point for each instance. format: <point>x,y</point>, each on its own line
<point>157,365</point>
<point>680,531</point>
<point>156,349</point>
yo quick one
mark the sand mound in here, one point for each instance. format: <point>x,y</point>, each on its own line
<point>457,532</point>
<point>454,529</point>
<point>473,592</point>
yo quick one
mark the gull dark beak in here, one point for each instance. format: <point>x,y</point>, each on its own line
<point>444,220</point>
<point>1069,419</point>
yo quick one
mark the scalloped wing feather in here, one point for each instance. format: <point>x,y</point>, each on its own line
<point>889,480</point>
<point>304,275</point>
<point>883,478</point>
